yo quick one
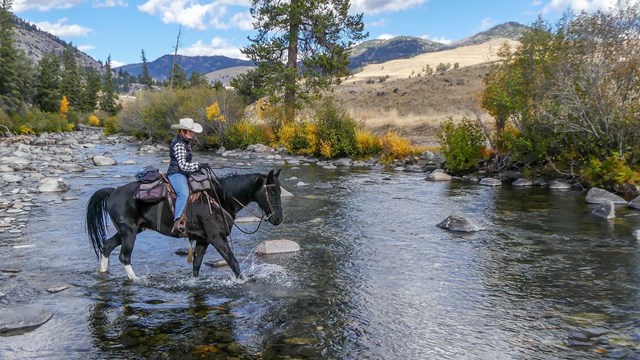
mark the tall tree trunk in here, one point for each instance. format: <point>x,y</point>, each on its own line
<point>292,64</point>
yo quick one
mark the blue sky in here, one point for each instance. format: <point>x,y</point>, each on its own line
<point>122,28</point>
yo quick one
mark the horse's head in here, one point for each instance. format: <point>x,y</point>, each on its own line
<point>268,196</point>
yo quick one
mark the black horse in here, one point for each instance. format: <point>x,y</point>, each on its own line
<point>209,218</point>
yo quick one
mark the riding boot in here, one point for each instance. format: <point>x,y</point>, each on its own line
<point>179,227</point>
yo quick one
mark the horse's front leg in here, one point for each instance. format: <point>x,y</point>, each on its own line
<point>201,249</point>
<point>111,243</point>
<point>217,236</point>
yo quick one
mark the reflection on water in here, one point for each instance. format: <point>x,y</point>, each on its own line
<point>374,279</point>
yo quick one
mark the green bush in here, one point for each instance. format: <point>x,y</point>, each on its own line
<point>461,144</point>
<point>608,173</point>
<point>242,134</point>
<point>336,131</point>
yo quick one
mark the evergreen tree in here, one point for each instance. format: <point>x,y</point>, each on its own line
<point>47,94</point>
<point>145,77</point>
<point>9,77</point>
<point>71,83</point>
<point>179,77</point>
<point>91,90</point>
<point>314,34</point>
<point>196,79</point>
<point>107,100</point>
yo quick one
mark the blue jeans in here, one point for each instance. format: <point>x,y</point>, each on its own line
<point>181,187</point>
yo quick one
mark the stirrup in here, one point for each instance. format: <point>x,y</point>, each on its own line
<point>179,228</point>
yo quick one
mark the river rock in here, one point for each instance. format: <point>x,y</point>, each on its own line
<point>57,289</point>
<point>14,160</point>
<point>100,160</point>
<point>559,185</point>
<point>438,176</point>
<point>522,182</point>
<point>11,178</point>
<point>53,185</point>
<point>269,247</point>
<point>635,203</point>
<point>5,168</point>
<point>599,196</point>
<point>605,210</point>
<point>459,223</point>
<point>23,318</point>
<point>71,167</point>
<point>285,193</point>
<point>218,263</point>
<point>343,162</point>
<point>636,234</point>
<point>490,182</point>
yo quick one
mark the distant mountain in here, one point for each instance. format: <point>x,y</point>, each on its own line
<point>160,68</point>
<point>35,43</point>
<point>399,47</point>
<point>510,30</point>
<point>404,47</point>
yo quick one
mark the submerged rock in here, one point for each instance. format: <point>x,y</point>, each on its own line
<point>23,318</point>
<point>600,196</point>
<point>459,223</point>
<point>269,247</point>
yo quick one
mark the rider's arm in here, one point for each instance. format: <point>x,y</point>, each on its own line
<point>181,157</point>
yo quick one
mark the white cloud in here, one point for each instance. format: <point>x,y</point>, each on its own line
<point>439,39</point>
<point>486,24</point>
<point>110,3</point>
<point>580,5</point>
<point>191,13</point>
<point>385,36</point>
<point>85,48</point>
<point>378,23</point>
<point>116,63</point>
<point>63,30</point>
<point>378,6</point>
<point>242,21</point>
<point>43,5</point>
<point>217,46</point>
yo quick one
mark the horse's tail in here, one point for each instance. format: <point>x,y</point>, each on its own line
<point>97,218</point>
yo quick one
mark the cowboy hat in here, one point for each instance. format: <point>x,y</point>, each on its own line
<point>188,124</point>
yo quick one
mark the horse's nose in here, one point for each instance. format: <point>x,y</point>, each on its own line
<point>276,219</point>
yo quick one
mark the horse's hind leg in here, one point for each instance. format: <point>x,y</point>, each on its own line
<point>111,243</point>
<point>128,237</point>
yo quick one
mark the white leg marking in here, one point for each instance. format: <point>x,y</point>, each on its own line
<point>130,274</point>
<point>104,264</point>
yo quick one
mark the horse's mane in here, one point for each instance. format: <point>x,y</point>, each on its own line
<point>240,184</point>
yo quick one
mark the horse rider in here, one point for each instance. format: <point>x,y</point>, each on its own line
<point>180,167</point>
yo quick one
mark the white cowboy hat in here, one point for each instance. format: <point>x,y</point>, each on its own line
<point>188,124</point>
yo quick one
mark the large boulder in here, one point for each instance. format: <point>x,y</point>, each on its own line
<point>22,318</point>
<point>600,196</point>
<point>100,160</point>
<point>53,185</point>
<point>459,223</point>
<point>269,247</point>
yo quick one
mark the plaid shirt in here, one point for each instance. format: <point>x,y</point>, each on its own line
<point>180,149</point>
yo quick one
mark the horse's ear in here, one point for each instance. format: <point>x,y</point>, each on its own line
<point>277,173</point>
<point>270,177</point>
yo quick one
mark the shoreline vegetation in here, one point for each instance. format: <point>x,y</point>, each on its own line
<point>563,103</point>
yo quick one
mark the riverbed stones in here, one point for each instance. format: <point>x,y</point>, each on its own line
<point>605,210</point>
<point>490,182</point>
<point>23,318</point>
<point>459,223</point>
<point>100,160</point>
<point>11,178</point>
<point>57,289</point>
<point>438,176</point>
<point>636,234</point>
<point>559,185</point>
<point>522,182</point>
<point>279,246</point>
<point>53,185</point>
<point>598,196</point>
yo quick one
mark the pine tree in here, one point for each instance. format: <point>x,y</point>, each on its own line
<point>315,34</point>
<point>178,77</point>
<point>107,100</point>
<point>91,90</point>
<point>145,77</point>
<point>9,78</point>
<point>196,79</point>
<point>47,94</point>
<point>71,83</point>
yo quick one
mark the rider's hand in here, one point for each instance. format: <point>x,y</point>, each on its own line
<point>204,166</point>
